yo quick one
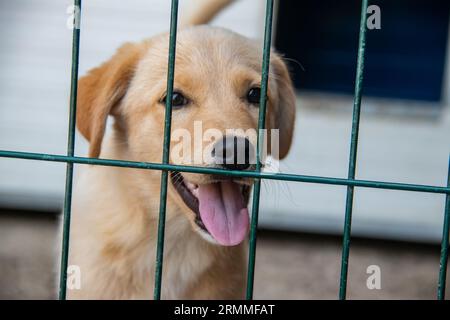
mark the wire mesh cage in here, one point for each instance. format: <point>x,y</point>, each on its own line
<point>351,182</point>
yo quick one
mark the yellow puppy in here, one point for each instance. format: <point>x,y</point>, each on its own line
<point>115,210</point>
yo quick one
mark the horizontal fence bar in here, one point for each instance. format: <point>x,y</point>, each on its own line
<point>246,174</point>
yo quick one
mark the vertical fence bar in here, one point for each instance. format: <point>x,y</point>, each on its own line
<point>444,243</point>
<point>166,149</point>
<point>353,150</point>
<point>70,150</point>
<point>260,140</point>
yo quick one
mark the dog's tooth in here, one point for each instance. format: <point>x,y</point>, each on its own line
<point>190,185</point>
<point>193,188</point>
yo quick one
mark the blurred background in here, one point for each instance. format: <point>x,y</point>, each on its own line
<point>404,137</point>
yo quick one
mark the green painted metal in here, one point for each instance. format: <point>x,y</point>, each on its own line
<point>260,140</point>
<point>353,151</point>
<point>164,167</point>
<point>230,173</point>
<point>166,149</point>
<point>70,153</point>
<point>444,244</point>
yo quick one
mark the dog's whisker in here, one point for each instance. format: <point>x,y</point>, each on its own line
<point>296,62</point>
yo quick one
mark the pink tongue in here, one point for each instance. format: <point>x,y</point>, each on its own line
<point>224,212</point>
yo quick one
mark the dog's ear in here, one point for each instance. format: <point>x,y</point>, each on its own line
<point>101,90</point>
<point>284,110</point>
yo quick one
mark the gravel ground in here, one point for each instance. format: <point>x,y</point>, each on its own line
<point>289,266</point>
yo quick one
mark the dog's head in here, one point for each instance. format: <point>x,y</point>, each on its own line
<point>214,119</point>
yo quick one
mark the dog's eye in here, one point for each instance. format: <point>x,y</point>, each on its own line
<point>253,95</point>
<point>178,100</point>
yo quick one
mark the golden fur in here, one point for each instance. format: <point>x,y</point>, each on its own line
<point>115,210</point>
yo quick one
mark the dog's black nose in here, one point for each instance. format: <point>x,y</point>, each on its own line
<point>233,153</point>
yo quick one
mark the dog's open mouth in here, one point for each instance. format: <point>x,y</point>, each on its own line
<point>220,207</point>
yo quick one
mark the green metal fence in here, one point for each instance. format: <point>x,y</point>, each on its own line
<point>351,182</point>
